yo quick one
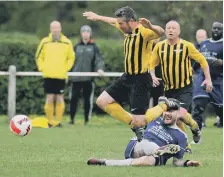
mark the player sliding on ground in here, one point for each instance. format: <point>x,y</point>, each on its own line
<point>162,140</point>
<point>134,86</point>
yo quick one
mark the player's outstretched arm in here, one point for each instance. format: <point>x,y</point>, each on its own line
<point>185,163</point>
<point>95,17</point>
<point>147,24</point>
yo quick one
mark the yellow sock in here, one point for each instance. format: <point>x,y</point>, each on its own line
<point>181,125</point>
<point>49,111</point>
<point>188,120</point>
<point>155,112</point>
<point>117,112</point>
<point>60,108</point>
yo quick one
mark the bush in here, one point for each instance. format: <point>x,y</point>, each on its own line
<point>30,94</point>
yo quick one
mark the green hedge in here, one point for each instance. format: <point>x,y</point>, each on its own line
<point>30,94</point>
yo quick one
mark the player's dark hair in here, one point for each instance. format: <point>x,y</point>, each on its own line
<point>127,13</point>
<point>178,104</point>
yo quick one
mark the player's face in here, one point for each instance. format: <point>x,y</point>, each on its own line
<point>172,30</point>
<point>217,31</point>
<point>170,117</point>
<point>55,29</point>
<point>124,26</point>
<point>85,35</point>
<point>201,36</point>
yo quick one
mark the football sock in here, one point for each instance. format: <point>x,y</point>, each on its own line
<point>126,162</point>
<point>188,120</point>
<point>155,112</point>
<point>49,111</point>
<point>117,112</point>
<point>181,125</point>
<point>60,108</point>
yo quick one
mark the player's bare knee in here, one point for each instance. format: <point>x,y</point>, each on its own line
<point>103,100</point>
<point>100,102</point>
<point>50,98</point>
<point>60,98</point>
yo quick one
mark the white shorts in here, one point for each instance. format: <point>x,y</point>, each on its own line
<point>145,147</point>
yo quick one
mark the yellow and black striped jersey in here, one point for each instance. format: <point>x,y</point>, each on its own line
<point>175,62</point>
<point>135,49</point>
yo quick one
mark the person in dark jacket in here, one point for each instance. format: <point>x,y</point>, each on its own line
<point>88,59</point>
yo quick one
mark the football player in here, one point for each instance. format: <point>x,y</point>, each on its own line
<point>162,140</point>
<point>212,49</point>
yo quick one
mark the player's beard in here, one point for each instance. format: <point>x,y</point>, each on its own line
<point>217,37</point>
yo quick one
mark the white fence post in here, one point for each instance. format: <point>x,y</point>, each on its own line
<point>12,92</point>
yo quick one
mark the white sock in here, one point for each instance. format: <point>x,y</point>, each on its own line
<point>126,162</point>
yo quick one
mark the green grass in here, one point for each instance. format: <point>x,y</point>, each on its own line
<point>63,152</point>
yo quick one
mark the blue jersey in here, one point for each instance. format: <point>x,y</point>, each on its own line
<point>162,135</point>
<point>212,49</point>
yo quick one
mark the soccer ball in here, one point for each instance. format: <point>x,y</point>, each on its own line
<point>20,125</point>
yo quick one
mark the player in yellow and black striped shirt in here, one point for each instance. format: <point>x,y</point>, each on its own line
<point>134,85</point>
<point>175,54</point>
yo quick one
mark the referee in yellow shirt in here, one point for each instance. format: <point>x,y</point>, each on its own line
<point>54,58</point>
<point>174,55</point>
<point>134,85</point>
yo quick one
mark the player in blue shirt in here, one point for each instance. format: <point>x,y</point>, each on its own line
<point>162,140</point>
<point>212,49</point>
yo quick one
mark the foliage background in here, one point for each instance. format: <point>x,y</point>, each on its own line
<point>23,24</point>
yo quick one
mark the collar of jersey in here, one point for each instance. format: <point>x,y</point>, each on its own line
<point>133,33</point>
<point>51,37</point>
<point>180,40</point>
<point>212,41</point>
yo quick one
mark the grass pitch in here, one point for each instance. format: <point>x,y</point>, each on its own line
<point>63,152</point>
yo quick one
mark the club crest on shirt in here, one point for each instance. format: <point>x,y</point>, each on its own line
<point>178,51</point>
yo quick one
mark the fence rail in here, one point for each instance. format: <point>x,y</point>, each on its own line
<point>12,74</point>
<point>91,74</point>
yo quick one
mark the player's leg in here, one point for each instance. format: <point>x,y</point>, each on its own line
<point>219,112</point>
<point>200,100</point>
<point>139,99</point>
<point>141,161</point>
<point>60,104</point>
<point>217,99</point>
<point>143,148</point>
<point>49,108</point>
<point>87,91</point>
<point>186,98</point>
<point>110,98</point>
<point>49,103</point>
<point>76,89</point>
<point>199,107</point>
<point>151,160</point>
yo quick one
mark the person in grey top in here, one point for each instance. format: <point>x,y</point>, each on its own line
<point>88,59</point>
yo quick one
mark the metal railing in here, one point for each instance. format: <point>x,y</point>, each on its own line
<point>12,73</point>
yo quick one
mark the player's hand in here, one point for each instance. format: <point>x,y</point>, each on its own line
<point>208,85</point>
<point>145,22</point>
<point>193,163</point>
<point>91,16</point>
<point>100,72</point>
<point>155,81</point>
<point>217,63</point>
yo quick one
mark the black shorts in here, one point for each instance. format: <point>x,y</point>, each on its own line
<point>132,89</point>
<point>184,95</point>
<point>54,86</point>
